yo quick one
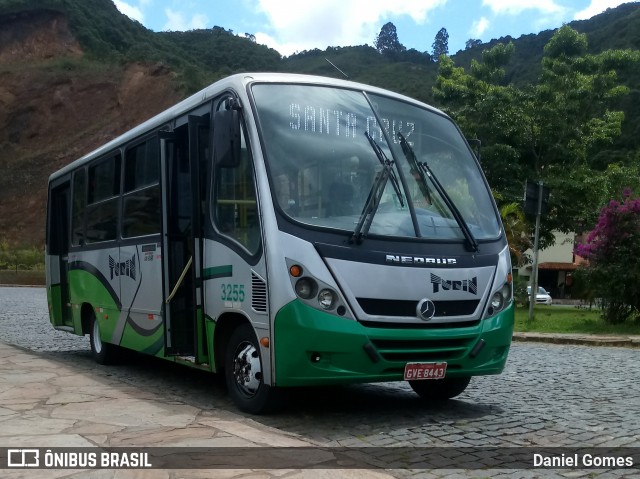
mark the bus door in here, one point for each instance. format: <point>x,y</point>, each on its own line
<point>58,244</point>
<point>181,156</point>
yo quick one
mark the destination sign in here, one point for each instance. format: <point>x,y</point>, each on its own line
<point>335,123</point>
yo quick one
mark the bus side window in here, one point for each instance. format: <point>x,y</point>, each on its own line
<point>104,198</point>
<point>78,206</point>
<point>141,200</point>
<point>235,206</point>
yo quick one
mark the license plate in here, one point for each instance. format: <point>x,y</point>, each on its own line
<point>417,371</point>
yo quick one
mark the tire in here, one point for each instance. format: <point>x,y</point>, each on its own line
<point>243,373</point>
<point>103,353</point>
<point>440,389</point>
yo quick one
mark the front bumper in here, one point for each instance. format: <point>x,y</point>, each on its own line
<point>313,348</point>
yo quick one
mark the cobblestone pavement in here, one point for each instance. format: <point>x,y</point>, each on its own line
<point>548,396</point>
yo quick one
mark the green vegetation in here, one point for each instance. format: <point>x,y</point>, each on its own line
<point>106,35</point>
<point>552,130</point>
<point>203,56</point>
<point>613,251</point>
<point>570,319</point>
<point>20,258</point>
<point>21,265</point>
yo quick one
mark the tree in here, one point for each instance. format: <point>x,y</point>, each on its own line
<point>548,131</point>
<point>517,231</point>
<point>613,252</point>
<point>440,44</point>
<point>472,42</point>
<point>387,41</point>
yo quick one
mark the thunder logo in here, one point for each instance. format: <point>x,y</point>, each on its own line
<point>125,268</point>
<point>468,285</point>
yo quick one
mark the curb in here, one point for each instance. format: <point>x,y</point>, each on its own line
<point>585,340</point>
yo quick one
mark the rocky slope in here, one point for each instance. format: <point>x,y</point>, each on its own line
<point>55,106</point>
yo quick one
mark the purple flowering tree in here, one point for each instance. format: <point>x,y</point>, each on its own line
<point>613,252</point>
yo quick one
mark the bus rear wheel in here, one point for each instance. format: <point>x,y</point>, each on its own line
<point>103,353</point>
<point>243,373</point>
<point>440,389</point>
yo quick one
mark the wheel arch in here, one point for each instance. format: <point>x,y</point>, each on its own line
<point>86,315</point>
<point>226,324</point>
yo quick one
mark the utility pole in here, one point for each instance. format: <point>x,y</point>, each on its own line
<point>535,201</point>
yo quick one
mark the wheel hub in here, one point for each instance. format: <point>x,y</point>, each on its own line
<point>246,368</point>
<point>97,341</point>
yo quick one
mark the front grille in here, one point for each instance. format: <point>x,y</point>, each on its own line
<point>420,325</point>
<point>393,307</point>
<point>415,350</point>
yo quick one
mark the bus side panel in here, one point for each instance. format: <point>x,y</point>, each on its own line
<point>234,292</point>
<point>140,327</point>
<point>94,280</point>
<point>54,299</point>
<point>144,341</point>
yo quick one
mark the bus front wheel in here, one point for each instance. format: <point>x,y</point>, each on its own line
<point>440,389</point>
<point>243,373</point>
<point>102,352</point>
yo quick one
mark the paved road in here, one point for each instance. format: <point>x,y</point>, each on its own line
<point>549,395</point>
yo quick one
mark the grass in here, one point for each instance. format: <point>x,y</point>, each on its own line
<point>570,319</point>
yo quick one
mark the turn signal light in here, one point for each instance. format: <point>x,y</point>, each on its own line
<point>295,271</point>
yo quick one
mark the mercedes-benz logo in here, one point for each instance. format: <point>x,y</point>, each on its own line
<point>425,309</point>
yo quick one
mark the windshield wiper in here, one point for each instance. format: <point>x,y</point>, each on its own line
<point>377,189</point>
<point>384,161</point>
<point>425,172</point>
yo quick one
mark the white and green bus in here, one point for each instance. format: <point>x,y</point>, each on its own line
<point>286,230</point>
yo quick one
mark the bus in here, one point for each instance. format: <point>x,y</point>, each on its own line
<point>286,230</point>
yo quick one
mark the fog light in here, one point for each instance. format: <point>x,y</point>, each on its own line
<point>326,298</point>
<point>306,288</point>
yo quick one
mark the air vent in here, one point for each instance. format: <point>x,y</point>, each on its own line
<point>258,294</point>
<point>411,350</point>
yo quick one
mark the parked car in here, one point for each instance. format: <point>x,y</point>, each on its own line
<point>542,297</point>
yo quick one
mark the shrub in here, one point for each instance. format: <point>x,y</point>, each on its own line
<point>613,252</point>
<point>20,258</point>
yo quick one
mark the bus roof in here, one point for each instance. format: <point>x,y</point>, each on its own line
<point>237,82</point>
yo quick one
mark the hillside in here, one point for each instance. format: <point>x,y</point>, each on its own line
<point>55,106</point>
<point>76,73</point>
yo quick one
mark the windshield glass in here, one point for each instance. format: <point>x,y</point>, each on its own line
<point>323,167</point>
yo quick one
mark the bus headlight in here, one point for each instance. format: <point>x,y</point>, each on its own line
<point>497,301</point>
<point>317,293</point>
<point>500,298</point>
<point>502,295</point>
<point>326,299</point>
<point>306,288</point>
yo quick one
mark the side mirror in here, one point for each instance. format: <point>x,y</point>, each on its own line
<point>226,138</point>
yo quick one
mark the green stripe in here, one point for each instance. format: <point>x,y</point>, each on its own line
<point>225,271</point>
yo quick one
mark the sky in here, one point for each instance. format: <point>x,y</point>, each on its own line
<point>291,26</point>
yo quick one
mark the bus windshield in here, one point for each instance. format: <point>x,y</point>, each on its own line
<point>326,149</point>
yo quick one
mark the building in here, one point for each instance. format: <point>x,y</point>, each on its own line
<point>556,265</point>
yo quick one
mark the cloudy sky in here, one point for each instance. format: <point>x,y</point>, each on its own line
<point>292,26</point>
